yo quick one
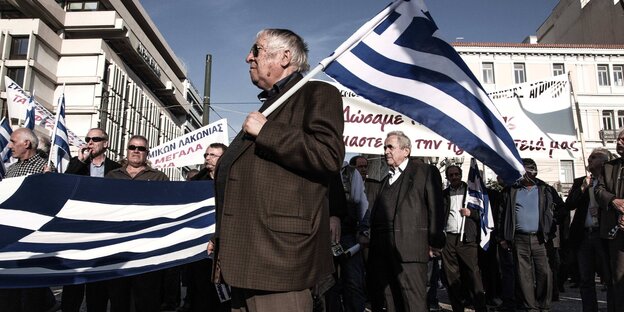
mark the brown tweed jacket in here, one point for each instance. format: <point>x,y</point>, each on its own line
<point>273,226</point>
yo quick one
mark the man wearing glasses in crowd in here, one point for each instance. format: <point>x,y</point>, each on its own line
<point>91,161</point>
<point>272,239</point>
<point>202,292</point>
<point>211,156</point>
<point>145,289</point>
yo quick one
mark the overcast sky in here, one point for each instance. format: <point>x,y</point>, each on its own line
<point>226,29</point>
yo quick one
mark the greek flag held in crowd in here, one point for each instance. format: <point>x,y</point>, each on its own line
<point>398,61</point>
<point>5,137</point>
<point>60,229</point>
<point>478,199</point>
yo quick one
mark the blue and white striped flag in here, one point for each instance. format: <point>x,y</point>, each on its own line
<point>398,61</point>
<point>60,144</point>
<point>29,121</point>
<point>5,137</point>
<point>59,229</point>
<point>478,199</point>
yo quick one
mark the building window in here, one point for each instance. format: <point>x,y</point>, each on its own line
<point>603,75</point>
<point>17,75</point>
<point>488,72</point>
<point>607,120</point>
<point>83,6</point>
<point>519,73</point>
<point>618,75</point>
<point>558,69</point>
<point>19,48</point>
<point>567,171</point>
<point>620,120</point>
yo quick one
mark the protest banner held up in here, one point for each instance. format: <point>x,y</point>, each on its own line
<point>189,149</point>
<point>538,115</point>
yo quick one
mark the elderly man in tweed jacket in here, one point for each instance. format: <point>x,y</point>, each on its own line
<point>272,237</point>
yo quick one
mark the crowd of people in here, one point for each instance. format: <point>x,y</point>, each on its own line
<point>299,230</point>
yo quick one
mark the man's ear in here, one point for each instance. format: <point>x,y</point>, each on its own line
<point>285,58</point>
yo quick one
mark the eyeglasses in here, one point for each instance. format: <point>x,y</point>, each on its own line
<point>211,155</point>
<point>389,147</point>
<point>255,49</point>
<point>137,148</point>
<point>94,139</point>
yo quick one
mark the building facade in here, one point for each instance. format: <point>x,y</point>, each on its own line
<point>596,73</point>
<point>584,21</point>
<point>115,68</point>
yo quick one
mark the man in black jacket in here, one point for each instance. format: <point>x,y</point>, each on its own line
<point>459,256</point>
<point>585,231</point>
<point>202,291</point>
<point>527,222</point>
<point>407,229</point>
<point>91,161</point>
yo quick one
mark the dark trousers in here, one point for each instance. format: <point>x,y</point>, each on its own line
<point>616,261</point>
<point>554,262</point>
<point>508,277</point>
<point>96,295</point>
<point>592,258</point>
<point>143,289</point>
<point>26,299</point>
<point>459,260</point>
<point>402,291</point>
<point>533,274</point>
<point>171,291</point>
<point>204,296</point>
<point>350,280</point>
<point>490,275</point>
<point>433,274</point>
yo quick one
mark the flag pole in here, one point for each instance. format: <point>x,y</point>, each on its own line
<point>578,118</point>
<point>355,38</point>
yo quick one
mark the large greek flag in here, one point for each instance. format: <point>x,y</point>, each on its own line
<point>398,61</point>
<point>60,229</point>
<point>478,199</point>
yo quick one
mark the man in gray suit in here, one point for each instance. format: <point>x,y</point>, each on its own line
<point>407,228</point>
<point>272,240</point>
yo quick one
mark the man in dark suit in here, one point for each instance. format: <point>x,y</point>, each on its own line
<point>202,292</point>
<point>585,230</point>
<point>272,239</point>
<point>610,197</point>
<point>459,256</point>
<point>91,161</point>
<point>407,224</point>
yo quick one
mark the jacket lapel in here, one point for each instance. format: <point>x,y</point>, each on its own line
<point>406,185</point>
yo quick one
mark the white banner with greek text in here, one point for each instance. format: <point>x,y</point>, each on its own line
<point>188,150</point>
<point>537,114</point>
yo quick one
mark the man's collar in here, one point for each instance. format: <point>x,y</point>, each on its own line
<point>460,187</point>
<point>30,158</point>
<point>401,167</point>
<point>277,87</point>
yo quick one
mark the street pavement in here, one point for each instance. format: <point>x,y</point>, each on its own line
<point>569,301</point>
